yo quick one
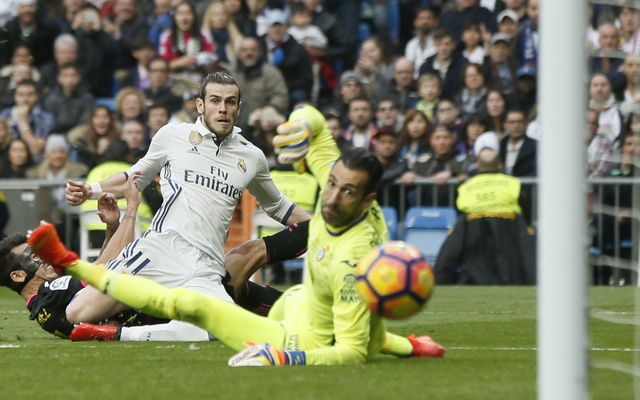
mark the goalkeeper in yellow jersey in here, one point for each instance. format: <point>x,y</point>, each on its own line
<point>320,323</point>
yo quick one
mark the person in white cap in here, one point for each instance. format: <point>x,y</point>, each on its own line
<point>488,140</point>
<point>502,74</point>
<point>517,7</point>
<point>57,166</point>
<point>508,23</point>
<point>8,10</point>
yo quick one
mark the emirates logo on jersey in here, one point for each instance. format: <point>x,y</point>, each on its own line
<point>242,166</point>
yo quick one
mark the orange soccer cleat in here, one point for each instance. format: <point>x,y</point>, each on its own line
<point>101,333</point>
<point>44,242</point>
<point>425,347</point>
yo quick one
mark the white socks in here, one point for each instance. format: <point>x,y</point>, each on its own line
<point>174,331</point>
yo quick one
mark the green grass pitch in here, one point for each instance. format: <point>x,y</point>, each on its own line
<point>489,333</point>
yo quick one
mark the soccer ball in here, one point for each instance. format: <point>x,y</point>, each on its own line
<point>394,280</point>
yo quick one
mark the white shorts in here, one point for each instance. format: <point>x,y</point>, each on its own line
<point>166,258</point>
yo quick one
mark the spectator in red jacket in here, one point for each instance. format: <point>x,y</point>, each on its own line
<point>182,44</point>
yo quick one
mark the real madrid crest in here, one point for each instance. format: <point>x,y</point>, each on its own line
<point>242,166</point>
<point>322,253</point>
<point>195,138</point>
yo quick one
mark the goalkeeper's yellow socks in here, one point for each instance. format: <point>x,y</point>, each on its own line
<point>397,346</point>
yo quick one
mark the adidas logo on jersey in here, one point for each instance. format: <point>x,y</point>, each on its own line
<point>193,150</point>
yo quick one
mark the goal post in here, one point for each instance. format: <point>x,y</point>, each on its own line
<point>563,336</point>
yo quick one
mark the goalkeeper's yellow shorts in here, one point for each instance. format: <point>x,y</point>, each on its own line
<point>288,310</point>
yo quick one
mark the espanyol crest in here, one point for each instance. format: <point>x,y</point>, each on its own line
<point>322,253</point>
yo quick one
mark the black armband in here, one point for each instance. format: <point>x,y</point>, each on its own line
<point>287,244</point>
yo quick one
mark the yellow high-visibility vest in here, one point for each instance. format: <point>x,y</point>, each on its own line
<point>490,193</point>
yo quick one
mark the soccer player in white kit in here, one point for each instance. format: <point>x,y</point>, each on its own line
<point>204,169</point>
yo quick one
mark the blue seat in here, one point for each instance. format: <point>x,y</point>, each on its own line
<point>427,228</point>
<point>391,216</point>
<point>291,265</point>
<point>430,218</point>
<point>108,102</point>
<point>364,31</point>
<point>428,241</point>
<point>298,263</point>
<point>116,86</point>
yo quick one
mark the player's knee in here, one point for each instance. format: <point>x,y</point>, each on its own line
<point>74,313</point>
<point>79,311</point>
<point>92,307</point>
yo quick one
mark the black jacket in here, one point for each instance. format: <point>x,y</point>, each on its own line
<point>404,100</point>
<point>119,151</point>
<point>296,65</point>
<point>339,44</point>
<point>456,19</point>
<point>130,32</point>
<point>523,101</point>
<point>526,163</point>
<point>132,78</point>
<point>451,84</point>
<point>165,97</point>
<point>69,112</point>
<point>488,251</point>
<point>40,41</point>
<point>98,54</point>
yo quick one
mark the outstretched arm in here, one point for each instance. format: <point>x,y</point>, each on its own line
<point>149,166</point>
<point>124,233</point>
<point>322,149</point>
<point>78,192</point>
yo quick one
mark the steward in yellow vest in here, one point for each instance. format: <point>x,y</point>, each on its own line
<point>491,243</point>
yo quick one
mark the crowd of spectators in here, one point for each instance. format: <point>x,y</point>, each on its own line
<point>418,82</point>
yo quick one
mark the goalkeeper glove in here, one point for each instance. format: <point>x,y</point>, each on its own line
<point>260,355</point>
<point>291,144</point>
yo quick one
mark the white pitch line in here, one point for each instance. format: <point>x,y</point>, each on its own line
<point>614,312</point>
<point>516,312</point>
<point>617,366</point>
<point>470,312</point>
<point>9,346</point>
<point>612,349</point>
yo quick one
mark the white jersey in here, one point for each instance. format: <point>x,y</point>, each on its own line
<point>202,181</point>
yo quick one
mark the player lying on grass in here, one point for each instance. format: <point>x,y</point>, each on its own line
<point>48,296</point>
<point>320,323</point>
